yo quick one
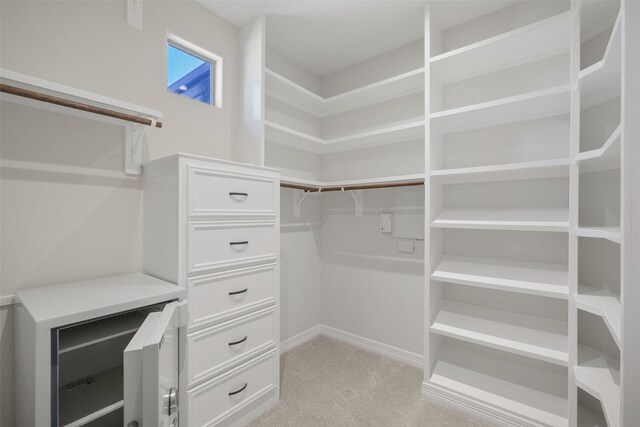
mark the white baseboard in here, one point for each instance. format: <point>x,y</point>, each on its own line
<point>475,407</point>
<point>299,339</point>
<point>386,350</point>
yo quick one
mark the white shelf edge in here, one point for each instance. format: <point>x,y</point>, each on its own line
<point>594,68</point>
<point>604,151</point>
<point>529,287</point>
<point>347,94</point>
<point>521,348</point>
<point>500,38</point>
<point>523,170</point>
<point>96,415</point>
<point>33,83</point>
<point>601,379</point>
<point>346,142</point>
<point>501,102</point>
<point>613,234</point>
<point>594,300</point>
<point>480,223</point>
<point>509,34</point>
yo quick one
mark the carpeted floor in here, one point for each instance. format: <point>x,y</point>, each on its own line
<point>329,383</point>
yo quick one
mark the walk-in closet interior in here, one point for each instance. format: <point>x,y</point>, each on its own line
<point>410,213</point>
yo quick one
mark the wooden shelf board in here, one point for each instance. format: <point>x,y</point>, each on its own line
<point>541,39</point>
<point>599,375</point>
<point>460,372</point>
<point>601,81</point>
<point>386,135</point>
<point>605,158</point>
<point>91,401</point>
<point>513,171</point>
<point>612,234</point>
<point>548,280</point>
<point>528,106</point>
<point>538,338</point>
<point>283,89</point>
<point>90,333</point>
<point>602,303</point>
<point>556,220</point>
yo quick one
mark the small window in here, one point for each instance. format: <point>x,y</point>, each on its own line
<point>193,72</point>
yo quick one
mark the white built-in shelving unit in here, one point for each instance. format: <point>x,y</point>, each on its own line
<point>517,109</point>
<point>524,142</point>
<point>363,125</point>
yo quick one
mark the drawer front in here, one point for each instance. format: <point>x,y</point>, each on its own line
<point>219,193</point>
<point>212,350</point>
<point>213,245</point>
<point>216,297</point>
<point>213,402</point>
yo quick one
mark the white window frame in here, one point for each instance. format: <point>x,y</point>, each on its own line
<point>215,60</point>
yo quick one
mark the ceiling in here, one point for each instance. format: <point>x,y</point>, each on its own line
<point>325,36</point>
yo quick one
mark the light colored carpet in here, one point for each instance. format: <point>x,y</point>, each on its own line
<point>329,383</point>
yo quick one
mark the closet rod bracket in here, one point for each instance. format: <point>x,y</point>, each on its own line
<point>358,199</point>
<point>297,202</point>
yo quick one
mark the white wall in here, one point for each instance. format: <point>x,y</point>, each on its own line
<point>300,264</point>
<point>59,222</point>
<point>369,288</point>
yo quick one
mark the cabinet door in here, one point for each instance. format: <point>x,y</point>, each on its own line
<point>151,370</point>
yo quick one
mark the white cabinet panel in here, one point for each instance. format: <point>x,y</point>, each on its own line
<point>212,350</point>
<point>215,244</point>
<point>218,193</point>
<point>218,296</point>
<point>217,400</point>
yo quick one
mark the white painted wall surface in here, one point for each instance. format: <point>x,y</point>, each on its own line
<point>368,288</point>
<point>60,222</point>
<point>300,264</point>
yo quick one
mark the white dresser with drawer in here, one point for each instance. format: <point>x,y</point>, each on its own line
<point>212,227</point>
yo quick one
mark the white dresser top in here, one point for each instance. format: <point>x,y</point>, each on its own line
<point>63,304</point>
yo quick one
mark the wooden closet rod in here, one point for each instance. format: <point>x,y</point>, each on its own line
<point>350,187</point>
<point>12,90</point>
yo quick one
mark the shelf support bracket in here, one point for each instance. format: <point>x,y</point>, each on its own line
<point>133,134</point>
<point>358,199</point>
<point>297,202</point>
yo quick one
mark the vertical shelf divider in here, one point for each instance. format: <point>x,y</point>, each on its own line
<point>574,175</point>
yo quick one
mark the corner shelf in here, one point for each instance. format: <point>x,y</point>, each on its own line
<point>386,135</point>
<point>613,234</point>
<point>548,280</point>
<point>601,81</point>
<point>605,158</point>
<point>526,44</point>
<point>604,304</point>
<point>533,337</point>
<point>469,378</point>
<point>513,171</point>
<point>528,106</point>
<point>283,89</point>
<point>556,220</point>
<point>599,375</point>
<point>38,93</point>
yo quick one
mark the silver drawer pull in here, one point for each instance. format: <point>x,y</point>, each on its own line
<point>236,194</point>
<point>239,341</point>
<point>244,291</point>
<point>240,243</point>
<point>240,390</point>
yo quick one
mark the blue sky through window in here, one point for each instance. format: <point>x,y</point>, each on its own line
<point>188,75</point>
<point>180,63</point>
